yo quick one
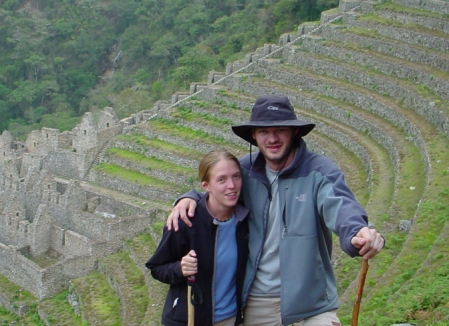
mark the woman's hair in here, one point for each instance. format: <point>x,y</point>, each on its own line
<point>210,160</point>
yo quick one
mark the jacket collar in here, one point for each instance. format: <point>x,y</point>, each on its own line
<point>240,211</point>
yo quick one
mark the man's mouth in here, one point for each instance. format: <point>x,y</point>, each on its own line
<point>274,148</point>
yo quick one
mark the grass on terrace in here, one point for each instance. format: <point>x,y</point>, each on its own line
<point>142,247</point>
<point>99,303</point>
<point>160,145</point>
<point>171,127</point>
<point>388,5</point>
<point>137,177</point>
<point>129,282</point>
<point>18,297</point>
<point>150,162</point>
<point>59,311</point>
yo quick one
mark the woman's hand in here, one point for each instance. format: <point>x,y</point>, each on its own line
<point>189,264</point>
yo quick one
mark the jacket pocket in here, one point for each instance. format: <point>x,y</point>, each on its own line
<point>176,304</point>
<point>304,277</point>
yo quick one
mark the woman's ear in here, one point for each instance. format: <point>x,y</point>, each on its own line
<point>205,185</point>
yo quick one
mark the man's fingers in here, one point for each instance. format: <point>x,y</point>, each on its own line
<point>172,220</point>
<point>184,209</point>
<point>192,207</point>
<point>358,242</point>
<point>369,241</point>
<point>187,208</point>
<point>375,248</point>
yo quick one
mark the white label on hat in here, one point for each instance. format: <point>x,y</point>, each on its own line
<point>272,108</point>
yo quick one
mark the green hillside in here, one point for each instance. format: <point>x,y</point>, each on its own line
<point>60,59</point>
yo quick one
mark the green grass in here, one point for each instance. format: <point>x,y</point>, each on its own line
<point>135,177</point>
<point>150,162</point>
<point>143,247</point>
<point>99,303</point>
<point>160,145</point>
<point>18,297</point>
<point>202,118</point>
<point>415,288</point>
<point>171,127</point>
<point>223,105</point>
<point>375,19</point>
<point>130,283</point>
<point>388,5</point>
<point>59,311</point>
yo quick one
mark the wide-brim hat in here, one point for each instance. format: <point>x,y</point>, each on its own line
<point>272,111</point>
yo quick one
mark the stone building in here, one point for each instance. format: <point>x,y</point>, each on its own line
<point>45,210</point>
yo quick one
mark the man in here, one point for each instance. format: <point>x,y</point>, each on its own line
<point>297,199</point>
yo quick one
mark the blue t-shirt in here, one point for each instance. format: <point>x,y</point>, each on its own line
<point>225,301</point>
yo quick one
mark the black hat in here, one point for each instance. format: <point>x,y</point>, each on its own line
<point>272,111</point>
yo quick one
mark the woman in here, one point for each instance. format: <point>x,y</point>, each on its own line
<point>214,249</point>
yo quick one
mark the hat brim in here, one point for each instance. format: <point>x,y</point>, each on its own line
<point>244,130</point>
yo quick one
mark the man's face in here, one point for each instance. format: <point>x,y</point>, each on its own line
<point>275,144</point>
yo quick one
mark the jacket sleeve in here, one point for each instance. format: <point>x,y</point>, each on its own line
<point>340,210</point>
<point>193,194</point>
<point>165,263</point>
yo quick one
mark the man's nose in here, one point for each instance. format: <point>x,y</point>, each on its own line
<point>272,137</point>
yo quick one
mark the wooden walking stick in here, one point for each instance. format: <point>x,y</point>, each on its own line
<point>190,308</point>
<point>358,298</point>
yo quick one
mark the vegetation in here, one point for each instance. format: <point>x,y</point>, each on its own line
<point>407,283</point>
<point>60,59</point>
<point>100,304</point>
<point>18,298</point>
<point>137,177</point>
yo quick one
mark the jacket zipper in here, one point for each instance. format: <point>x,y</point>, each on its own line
<point>213,277</point>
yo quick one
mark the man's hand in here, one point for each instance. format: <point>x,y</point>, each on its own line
<point>369,241</point>
<point>184,209</point>
<point>189,264</point>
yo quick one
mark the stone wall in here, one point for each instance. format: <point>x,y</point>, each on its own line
<point>40,212</point>
<point>131,188</point>
<point>42,282</point>
<point>357,99</point>
<point>66,164</point>
<point>160,154</point>
<point>432,5</point>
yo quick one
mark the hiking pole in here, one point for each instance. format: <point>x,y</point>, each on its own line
<point>190,308</point>
<point>358,298</point>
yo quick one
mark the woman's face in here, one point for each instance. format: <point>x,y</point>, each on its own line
<point>225,183</point>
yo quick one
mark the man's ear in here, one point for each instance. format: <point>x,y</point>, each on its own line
<point>295,131</point>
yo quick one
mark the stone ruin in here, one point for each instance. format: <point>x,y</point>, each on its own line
<point>52,227</point>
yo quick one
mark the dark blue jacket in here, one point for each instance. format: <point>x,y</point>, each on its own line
<point>165,265</point>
